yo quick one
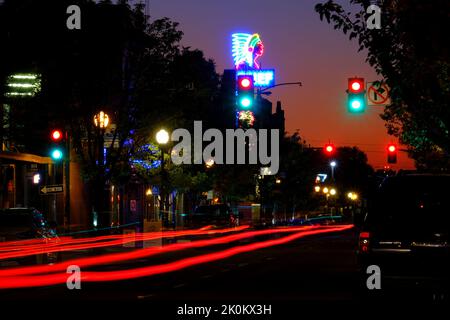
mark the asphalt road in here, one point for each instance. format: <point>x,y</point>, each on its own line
<point>318,270</point>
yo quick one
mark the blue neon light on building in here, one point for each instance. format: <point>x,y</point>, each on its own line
<point>262,77</point>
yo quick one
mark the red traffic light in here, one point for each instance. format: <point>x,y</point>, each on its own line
<point>56,135</point>
<point>391,148</point>
<point>391,153</point>
<point>329,149</point>
<point>355,85</point>
<point>245,82</point>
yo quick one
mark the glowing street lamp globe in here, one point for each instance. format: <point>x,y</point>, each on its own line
<point>162,136</point>
<point>101,120</point>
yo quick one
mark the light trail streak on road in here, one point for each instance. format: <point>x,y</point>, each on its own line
<point>143,253</point>
<point>38,243</point>
<point>122,240</point>
<point>92,276</point>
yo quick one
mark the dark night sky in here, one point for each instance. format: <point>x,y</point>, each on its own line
<point>301,48</point>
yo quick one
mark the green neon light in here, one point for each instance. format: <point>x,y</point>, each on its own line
<point>24,76</point>
<point>25,85</point>
<point>21,85</point>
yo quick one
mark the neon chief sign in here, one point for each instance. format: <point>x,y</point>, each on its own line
<point>247,48</point>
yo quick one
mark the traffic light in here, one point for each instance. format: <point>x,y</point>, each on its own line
<point>245,92</point>
<point>391,153</point>
<point>356,95</point>
<point>329,149</point>
<point>56,136</point>
<point>56,151</point>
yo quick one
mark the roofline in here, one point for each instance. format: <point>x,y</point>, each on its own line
<point>26,157</point>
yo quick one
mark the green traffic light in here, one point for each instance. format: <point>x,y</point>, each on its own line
<point>56,154</point>
<point>356,104</point>
<point>245,102</point>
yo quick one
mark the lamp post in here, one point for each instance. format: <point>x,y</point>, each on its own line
<point>332,165</point>
<point>162,138</point>
<point>101,122</point>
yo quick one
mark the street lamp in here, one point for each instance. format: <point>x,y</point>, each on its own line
<point>333,192</point>
<point>332,165</point>
<point>352,195</point>
<point>101,122</point>
<point>162,138</point>
<point>209,163</point>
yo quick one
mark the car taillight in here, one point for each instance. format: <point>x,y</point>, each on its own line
<point>364,242</point>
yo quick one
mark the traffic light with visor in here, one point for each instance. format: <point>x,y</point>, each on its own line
<point>391,153</point>
<point>356,95</point>
<point>245,92</point>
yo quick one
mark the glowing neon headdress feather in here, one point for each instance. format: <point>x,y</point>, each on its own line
<point>243,49</point>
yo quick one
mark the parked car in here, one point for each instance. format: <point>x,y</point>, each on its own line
<point>27,223</point>
<point>406,232</point>
<point>216,214</point>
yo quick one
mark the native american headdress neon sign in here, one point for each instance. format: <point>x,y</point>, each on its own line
<point>247,48</point>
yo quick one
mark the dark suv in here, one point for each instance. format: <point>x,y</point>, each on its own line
<point>406,232</point>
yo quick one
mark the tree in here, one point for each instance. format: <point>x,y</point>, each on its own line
<point>411,53</point>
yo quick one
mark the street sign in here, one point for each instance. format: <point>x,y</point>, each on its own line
<point>57,188</point>
<point>377,94</point>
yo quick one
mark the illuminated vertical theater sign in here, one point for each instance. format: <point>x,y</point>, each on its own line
<point>246,51</point>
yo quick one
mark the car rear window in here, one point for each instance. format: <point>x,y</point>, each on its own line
<point>412,204</point>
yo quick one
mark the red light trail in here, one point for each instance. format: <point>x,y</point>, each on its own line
<point>142,253</point>
<point>122,239</point>
<point>93,276</point>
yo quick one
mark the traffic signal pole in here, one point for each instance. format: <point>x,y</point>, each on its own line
<point>66,177</point>
<point>262,91</point>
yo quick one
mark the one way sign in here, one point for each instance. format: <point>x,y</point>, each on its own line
<point>58,188</point>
